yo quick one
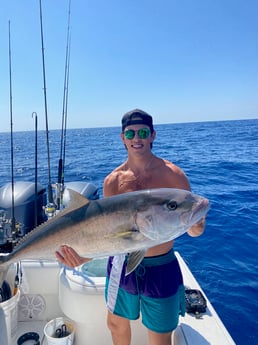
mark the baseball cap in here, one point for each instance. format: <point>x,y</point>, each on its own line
<point>137,117</point>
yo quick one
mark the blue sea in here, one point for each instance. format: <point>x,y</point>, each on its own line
<point>221,162</point>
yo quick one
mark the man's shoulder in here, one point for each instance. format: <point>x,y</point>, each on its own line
<point>111,181</point>
<point>113,176</point>
<point>171,167</point>
<point>174,176</point>
<point>115,173</point>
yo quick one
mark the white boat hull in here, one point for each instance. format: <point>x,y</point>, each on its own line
<point>39,303</point>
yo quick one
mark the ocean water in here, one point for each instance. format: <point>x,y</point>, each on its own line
<point>221,162</point>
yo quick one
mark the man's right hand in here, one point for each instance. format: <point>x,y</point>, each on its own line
<point>69,257</point>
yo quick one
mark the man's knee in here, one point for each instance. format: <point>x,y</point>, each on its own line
<point>117,324</point>
<point>159,338</point>
<point>120,329</point>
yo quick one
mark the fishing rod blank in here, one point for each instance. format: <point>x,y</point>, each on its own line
<point>61,163</point>
<point>36,171</point>
<point>11,125</point>
<point>50,192</point>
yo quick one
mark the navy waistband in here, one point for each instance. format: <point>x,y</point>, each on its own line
<point>159,259</point>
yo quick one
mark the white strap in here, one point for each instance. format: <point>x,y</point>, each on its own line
<point>114,280</point>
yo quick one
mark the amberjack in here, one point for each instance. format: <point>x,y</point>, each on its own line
<point>125,223</point>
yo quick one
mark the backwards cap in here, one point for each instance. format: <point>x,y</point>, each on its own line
<point>137,117</point>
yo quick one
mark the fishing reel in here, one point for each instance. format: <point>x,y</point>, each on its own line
<point>55,203</point>
<point>50,210</point>
<point>9,232</point>
<point>58,195</point>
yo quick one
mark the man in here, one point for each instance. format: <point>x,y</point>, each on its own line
<point>155,289</point>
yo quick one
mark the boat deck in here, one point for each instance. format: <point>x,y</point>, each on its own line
<point>40,285</point>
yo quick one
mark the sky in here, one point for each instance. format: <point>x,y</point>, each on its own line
<point>179,60</point>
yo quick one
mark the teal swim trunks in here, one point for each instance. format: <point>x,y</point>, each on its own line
<point>155,289</point>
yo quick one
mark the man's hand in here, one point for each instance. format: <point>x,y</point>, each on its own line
<point>198,228</point>
<point>69,257</point>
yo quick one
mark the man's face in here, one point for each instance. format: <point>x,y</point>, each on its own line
<point>138,138</point>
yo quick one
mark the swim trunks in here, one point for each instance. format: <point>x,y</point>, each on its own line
<point>155,289</point>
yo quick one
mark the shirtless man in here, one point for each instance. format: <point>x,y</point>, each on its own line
<point>155,289</point>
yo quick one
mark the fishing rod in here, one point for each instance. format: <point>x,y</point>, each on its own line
<point>34,114</point>
<point>13,222</point>
<point>61,162</point>
<point>66,107</point>
<point>50,191</point>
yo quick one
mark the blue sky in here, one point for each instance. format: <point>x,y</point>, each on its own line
<point>181,61</point>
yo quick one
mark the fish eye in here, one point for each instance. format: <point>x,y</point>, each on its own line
<point>172,205</point>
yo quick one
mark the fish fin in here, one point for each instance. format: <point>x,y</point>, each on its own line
<point>76,200</point>
<point>134,260</point>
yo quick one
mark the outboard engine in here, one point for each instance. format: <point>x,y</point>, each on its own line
<point>24,210</point>
<point>88,190</point>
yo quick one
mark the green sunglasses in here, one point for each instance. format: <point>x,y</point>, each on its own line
<point>143,133</point>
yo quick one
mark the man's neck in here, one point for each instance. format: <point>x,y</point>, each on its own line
<point>140,164</point>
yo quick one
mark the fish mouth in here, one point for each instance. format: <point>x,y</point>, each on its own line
<point>199,211</point>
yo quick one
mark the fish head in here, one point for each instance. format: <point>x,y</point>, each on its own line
<point>168,213</point>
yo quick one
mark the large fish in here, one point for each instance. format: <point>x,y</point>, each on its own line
<point>126,223</point>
